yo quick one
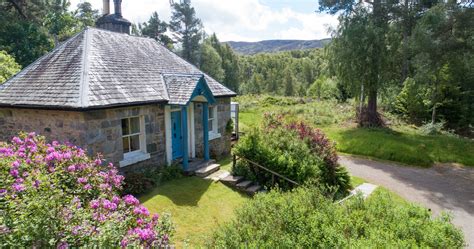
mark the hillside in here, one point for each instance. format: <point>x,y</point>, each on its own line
<point>269,46</point>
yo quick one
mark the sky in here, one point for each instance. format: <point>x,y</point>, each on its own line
<point>240,20</point>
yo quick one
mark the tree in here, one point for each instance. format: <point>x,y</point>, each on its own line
<point>289,83</point>
<point>60,22</point>
<point>156,29</point>
<point>359,53</point>
<point>211,62</point>
<point>188,30</point>
<point>8,66</point>
<point>86,15</point>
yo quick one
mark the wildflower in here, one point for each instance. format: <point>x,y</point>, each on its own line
<point>63,245</point>
<point>3,192</point>
<point>98,162</point>
<point>155,217</point>
<point>71,168</point>
<point>88,187</point>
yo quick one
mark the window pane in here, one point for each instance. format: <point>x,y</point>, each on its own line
<point>210,125</point>
<point>211,112</point>
<point>126,147</point>
<point>135,125</point>
<point>125,128</point>
<point>135,143</point>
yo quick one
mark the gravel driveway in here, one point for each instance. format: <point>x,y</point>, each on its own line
<point>439,188</point>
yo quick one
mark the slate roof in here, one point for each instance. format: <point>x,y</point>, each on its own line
<point>180,87</point>
<point>98,68</point>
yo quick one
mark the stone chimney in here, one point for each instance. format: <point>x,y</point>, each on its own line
<point>106,7</point>
<point>118,7</point>
<point>114,22</point>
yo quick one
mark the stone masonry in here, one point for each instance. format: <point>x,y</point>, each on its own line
<point>100,131</point>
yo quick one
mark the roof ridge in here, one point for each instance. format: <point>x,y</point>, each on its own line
<point>83,100</point>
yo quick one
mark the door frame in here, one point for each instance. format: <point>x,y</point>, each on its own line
<point>168,132</point>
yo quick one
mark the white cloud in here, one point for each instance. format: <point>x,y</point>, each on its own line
<point>242,20</point>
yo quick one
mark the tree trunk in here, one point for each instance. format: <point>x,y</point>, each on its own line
<point>372,108</point>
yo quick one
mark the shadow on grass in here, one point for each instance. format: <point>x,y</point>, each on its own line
<point>407,148</point>
<point>186,191</point>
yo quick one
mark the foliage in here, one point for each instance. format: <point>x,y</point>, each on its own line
<point>8,66</point>
<point>432,128</point>
<point>53,195</point>
<point>400,142</point>
<point>211,62</point>
<point>410,102</point>
<point>138,183</point>
<point>188,30</point>
<point>324,88</point>
<point>156,29</point>
<point>303,218</point>
<point>294,150</point>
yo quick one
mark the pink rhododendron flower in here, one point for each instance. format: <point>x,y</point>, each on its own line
<point>94,204</point>
<point>71,168</point>
<point>14,172</point>
<point>82,180</point>
<point>87,186</point>
<point>18,187</point>
<point>131,200</point>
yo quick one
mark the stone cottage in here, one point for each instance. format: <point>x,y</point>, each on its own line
<point>128,98</point>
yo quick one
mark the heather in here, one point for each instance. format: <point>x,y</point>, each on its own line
<point>304,218</point>
<point>293,149</point>
<point>53,195</point>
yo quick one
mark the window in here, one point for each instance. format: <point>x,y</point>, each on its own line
<point>212,123</point>
<point>133,141</point>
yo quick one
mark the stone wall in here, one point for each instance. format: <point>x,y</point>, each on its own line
<point>218,147</point>
<point>63,126</point>
<point>104,134</point>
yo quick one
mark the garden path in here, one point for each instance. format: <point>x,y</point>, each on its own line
<point>439,188</point>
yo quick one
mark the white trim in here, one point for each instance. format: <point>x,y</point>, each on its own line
<point>134,157</point>
<point>214,133</point>
<point>169,148</point>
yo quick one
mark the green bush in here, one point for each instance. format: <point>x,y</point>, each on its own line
<point>296,151</point>
<point>303,218</point>
<point>138,183</point>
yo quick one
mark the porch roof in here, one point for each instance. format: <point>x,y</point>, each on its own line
<point>182,88</point>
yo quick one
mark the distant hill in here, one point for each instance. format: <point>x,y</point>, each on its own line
<point>270,46</point>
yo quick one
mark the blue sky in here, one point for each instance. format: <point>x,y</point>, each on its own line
<point>241,20</point>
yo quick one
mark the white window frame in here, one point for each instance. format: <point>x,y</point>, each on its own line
<point>214,133</point>
<point>137,155</point>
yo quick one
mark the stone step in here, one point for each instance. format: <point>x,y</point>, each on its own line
<point>232,180</point>
<point>253,189</point>
<point>218,175</point>
<point>207,170</point>
<point>243,185</point>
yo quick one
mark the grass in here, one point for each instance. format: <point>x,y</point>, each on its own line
<point>400,142</point>
<point>197,207</point>
<point>356,181</point>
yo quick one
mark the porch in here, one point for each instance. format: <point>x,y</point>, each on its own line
<point>187,121</point>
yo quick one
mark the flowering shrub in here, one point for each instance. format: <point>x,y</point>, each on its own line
<point>294,149</point>
<point>54,195</point>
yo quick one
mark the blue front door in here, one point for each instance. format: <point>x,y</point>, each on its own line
<point>176,135</point>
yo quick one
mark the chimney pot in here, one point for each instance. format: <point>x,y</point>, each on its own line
<point>106,7</point>
<point>118,7</point>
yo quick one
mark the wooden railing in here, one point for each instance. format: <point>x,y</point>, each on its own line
<point>234,161</point>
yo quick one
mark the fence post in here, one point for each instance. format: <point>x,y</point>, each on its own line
<point>234,160</point>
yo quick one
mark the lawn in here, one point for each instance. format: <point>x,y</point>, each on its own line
<point>196,206</point>
<point>399,142</point>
